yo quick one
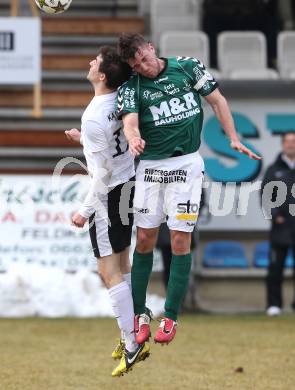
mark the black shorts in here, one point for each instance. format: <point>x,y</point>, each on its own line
<point>112,234</point>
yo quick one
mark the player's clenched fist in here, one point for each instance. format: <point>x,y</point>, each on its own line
<point>73,135</point>
<point>78,220</point>
<point>136,145</point>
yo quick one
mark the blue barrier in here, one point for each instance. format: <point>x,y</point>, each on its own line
<point>224,254</point>
<point>261,256</point>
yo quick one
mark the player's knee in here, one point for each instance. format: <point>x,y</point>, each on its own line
<point>180,244</point>
<point>144,242</point>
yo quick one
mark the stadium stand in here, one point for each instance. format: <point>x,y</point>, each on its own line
<point>144,7</point>
<point>174,9</point>
<point>286,54</point>
<point>225,254</point>
<point>242,15</point>
<point>86,8</point>
<point>187,44</point>
<point>242,55</point>
<point>69,42</point>
<point>175,23</point>
<point>261,256</point>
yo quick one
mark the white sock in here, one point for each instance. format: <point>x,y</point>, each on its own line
<point>127,278</point>
<point>121,298</point>
<point>117,315</point>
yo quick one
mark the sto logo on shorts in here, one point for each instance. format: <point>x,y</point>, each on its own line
<point>187,211</point>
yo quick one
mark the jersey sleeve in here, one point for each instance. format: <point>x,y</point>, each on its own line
<point>203,81</point>
<point>97,186</point>
<point>93,136</point>
<point>127,98</point>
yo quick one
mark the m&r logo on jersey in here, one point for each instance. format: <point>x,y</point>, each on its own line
<point>175,110</point>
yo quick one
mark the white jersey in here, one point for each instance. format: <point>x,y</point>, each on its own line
<point>101,131</point>
<point>105,146</point>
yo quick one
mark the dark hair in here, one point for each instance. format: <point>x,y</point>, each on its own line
<point>287,133</point>
<point>128,45</point>
<point>116,71</point>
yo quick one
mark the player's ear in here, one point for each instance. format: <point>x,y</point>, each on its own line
<point>151,47</point>
<point>102,77</point>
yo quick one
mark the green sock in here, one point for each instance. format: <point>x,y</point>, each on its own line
<point>140,275</point>
<point>178,283</point>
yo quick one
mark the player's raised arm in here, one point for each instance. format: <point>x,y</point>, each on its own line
<point>132,133</point>
<point>95,144</point>
<point>221,109</point>
<point>92,202</point>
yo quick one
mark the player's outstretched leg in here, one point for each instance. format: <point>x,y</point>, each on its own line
<point>121,300</point>
<point>126,273</point>
<point>177,286</point>
<point>140,274</point>
<point>129,359</point>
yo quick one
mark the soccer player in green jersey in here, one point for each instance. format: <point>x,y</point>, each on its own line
<point>162,115</point>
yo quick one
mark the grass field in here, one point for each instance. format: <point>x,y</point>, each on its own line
<point>209,352</point>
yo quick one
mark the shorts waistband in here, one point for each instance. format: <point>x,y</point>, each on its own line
<point>173,163</point>
<point>183,157</point>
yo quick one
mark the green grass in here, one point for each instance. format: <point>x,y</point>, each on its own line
<point>64,354</point>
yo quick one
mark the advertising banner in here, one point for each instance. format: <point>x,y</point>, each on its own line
<point>20,50</point>
<point>232,180</point>
<point>35,220</point>
<point>46,265</point>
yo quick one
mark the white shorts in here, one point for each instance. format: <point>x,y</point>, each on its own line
<point>169,188</point>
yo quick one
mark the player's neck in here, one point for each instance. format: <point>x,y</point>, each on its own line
<point>161,65</point>
<point>100,90</point>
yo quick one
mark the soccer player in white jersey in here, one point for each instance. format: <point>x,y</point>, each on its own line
<point>111,168</point>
